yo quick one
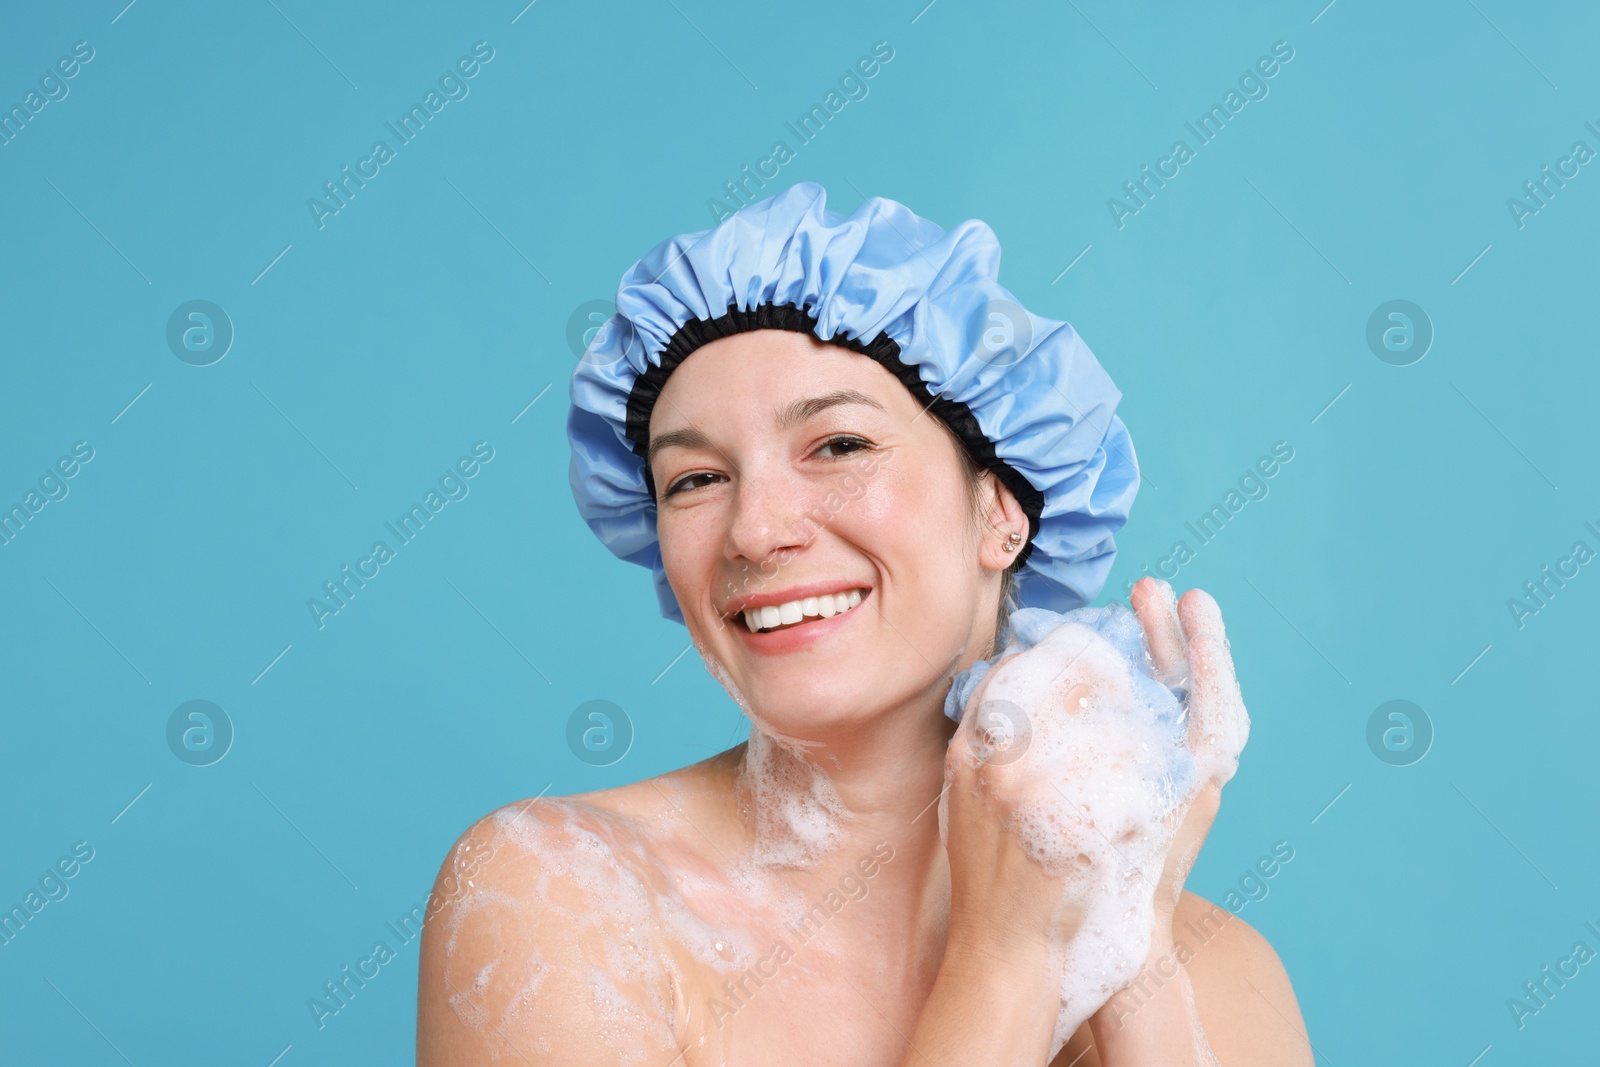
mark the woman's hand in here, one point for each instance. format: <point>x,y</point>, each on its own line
<point>1025,858</point>
<point>1078,793</point>
<point>1190,650</point>
<point>1023,850</point>
<point>1059,828</point>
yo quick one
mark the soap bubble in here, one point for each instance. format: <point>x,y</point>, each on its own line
<point>1100,756</point>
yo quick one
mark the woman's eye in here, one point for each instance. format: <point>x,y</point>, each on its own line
<point>683,483</point>
<point>854,445</point>
<point>845,441</point>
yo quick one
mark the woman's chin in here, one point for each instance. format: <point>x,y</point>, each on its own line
<point>786,713</point>
<point>836,716</point>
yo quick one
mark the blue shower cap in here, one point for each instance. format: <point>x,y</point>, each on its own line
<point>1120,627</point>
<point>1024,393</point>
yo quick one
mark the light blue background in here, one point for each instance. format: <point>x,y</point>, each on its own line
<point>433,309</point>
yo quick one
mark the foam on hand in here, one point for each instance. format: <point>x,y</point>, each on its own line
<point>1099,753</point>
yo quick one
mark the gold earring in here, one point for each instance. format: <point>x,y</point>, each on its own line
<point>1014,540</point>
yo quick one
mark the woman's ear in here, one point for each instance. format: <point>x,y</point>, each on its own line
<point>1002,517</point>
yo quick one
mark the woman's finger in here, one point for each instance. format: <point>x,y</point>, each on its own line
<point>1218,722</point>
<point>1157,609</point>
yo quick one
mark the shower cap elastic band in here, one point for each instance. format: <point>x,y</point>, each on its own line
<point>1022,392</point>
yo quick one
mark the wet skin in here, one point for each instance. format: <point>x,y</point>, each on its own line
<point>591,934</point>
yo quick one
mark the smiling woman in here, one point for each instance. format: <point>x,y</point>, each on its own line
<point>846,454</point>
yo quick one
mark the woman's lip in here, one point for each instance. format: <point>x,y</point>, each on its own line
<point>794,638</point>
<point>797,593</point>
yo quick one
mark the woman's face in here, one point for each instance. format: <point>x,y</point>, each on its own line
<point>786,468</point>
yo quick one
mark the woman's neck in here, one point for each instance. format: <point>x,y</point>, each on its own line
<point>819,810</point>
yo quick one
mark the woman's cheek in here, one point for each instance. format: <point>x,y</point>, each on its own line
<point>686,544</point>
<point>899,493</point>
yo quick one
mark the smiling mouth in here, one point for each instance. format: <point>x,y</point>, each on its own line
<point>799,612</point>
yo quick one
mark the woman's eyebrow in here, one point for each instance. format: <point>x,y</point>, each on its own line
<point>688,437</point>
<point>796,412</point>
<point>801,410</point>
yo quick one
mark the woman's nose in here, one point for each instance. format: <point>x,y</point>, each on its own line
<point>770,516</point>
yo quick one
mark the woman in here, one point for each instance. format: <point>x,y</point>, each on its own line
<point>845,454</point>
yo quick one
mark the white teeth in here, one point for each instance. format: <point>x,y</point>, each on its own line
<point>825,606</point>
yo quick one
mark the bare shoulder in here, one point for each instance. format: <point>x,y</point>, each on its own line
<point>1242,990</point>
<point>538,938</point>
<point>546,927</point>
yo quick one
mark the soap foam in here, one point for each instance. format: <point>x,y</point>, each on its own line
<point>1110,777</point>
<point>633,931</point>
<point>719,671</point>
<point>634,926</point>
<point>797,812</point>
<point>1105,780</point>
<point>469,1003</point>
